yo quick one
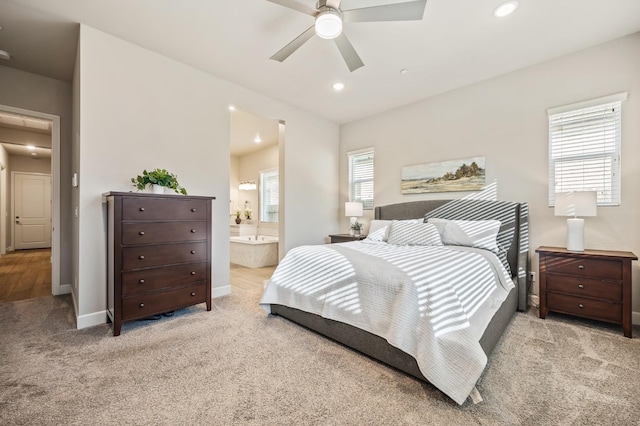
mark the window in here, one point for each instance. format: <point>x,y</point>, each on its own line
<point>269,196</point>
<point>361,177</point>
<point>584,148</point>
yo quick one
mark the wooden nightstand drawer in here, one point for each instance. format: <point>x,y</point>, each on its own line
<point>589,287</point>
<point>343,238</point>
<point>584,307</point>
<point>594,284</point>
<point>607,269</point>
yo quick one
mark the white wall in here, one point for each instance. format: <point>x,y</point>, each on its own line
<point>137,109</point>
<point>250,167</point>
<point>4,200</point>
<point>36,93</point>
<point>505,120</point>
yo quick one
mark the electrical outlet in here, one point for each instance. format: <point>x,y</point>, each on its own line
<point>532,276</point>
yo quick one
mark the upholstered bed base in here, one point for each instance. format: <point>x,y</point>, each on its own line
<point>377,347</point>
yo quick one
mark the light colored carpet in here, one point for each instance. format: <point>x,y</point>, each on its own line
<point>235,365</point>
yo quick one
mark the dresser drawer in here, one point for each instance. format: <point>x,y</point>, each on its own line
<point>162,232</point>
<point>154,303</point>
<point>584,307</point>
<point>607,269</point>
<point>142,208</point>
<point>162,254</point>
<point>140,281</point>
<point>589,287</point>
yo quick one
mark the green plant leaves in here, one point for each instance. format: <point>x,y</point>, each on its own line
<point>160,177</point>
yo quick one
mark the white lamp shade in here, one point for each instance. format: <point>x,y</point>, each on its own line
<point>576,204</point>
<point>353,209</point>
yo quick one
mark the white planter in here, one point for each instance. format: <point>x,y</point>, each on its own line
<point>157,189</point>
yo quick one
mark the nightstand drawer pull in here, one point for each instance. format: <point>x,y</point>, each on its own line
<point>141,209</point>
<point>193,272</point>
<point>141,281</point>
<point>193,252</point>
<point>141,305</point>
<point>193,293</point>
<point>141,257</point>
<point>580,266</point>
<point>193,210</point>
<point>141,233</point>
<point>581,286</point>
<point>193,231</point>
<point>580,305</point>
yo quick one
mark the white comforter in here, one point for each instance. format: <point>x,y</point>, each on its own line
<point>432,302</point>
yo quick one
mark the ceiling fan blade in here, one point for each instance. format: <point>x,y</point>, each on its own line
<point>294,45</point>
<point>408,11</point>
<point>292,4</point>
<point>348,52</point>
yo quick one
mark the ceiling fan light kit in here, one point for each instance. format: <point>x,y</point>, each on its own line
<point>4,55</point>
<point>329,22</point>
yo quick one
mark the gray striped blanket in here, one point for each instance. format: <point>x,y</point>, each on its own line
<point>432,302</point>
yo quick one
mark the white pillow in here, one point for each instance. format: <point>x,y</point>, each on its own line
<point>378,230</point>
<point>471,233</point>
<point>413,233</point>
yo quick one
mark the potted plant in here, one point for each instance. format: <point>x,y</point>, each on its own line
<point>160,178</point>
<point>238,218</point>
<point>356,227</point>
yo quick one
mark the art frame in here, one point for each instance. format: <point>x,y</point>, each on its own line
<point>467,174</point>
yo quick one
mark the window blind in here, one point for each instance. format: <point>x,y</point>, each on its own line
<point>361,178</point>
<point>269,196</point>
<point>584,150</point>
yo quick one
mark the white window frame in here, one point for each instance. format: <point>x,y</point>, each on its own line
<point>356,196</point>
<point>590,158</point>
<point>263,211</point>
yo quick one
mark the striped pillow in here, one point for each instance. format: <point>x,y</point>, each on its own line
<point>410,233</point>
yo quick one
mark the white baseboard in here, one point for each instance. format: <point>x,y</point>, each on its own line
<point>63,289</point>
<point>220,291</point>
<point>89,320</point>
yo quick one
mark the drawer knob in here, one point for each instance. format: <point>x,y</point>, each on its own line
<point>141,305</point>
<point>141,281</point>
<point>141,233</point>
<point>141,209</point>
<point>580,266</point>
<point>141,257</point>
<point>193,210</point>
<point>193,272</point>
<point>580,306</point>
<point>580,286</point>
<point>193,293</point>
<point>193,231</point>
<point>193,252</point>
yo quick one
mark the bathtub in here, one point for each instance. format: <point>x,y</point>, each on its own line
<point>254,252</point>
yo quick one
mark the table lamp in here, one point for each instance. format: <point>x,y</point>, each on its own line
<point>353,210</point>
<point>574,204</point>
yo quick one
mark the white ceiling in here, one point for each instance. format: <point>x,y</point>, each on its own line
<point>244,129</point>
<point>25,136</point>
<point>458,42</point>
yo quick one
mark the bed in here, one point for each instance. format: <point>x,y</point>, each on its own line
<point>427,309</point>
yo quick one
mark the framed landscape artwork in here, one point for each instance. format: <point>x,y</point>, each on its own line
<point>455,175</point>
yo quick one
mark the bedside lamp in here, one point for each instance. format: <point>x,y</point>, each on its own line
<point>574,204</point>
<point>354,210</point>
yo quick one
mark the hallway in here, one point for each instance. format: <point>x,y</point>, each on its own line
<point>25,274</point>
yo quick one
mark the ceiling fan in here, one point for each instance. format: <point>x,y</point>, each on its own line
<point>329,17</point>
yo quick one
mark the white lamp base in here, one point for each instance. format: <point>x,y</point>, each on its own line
<point>575,234</point>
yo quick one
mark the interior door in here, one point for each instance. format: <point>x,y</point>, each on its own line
<point>32,210</point>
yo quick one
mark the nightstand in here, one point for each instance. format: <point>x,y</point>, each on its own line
<point>343,238</point>
<point>593,284</point>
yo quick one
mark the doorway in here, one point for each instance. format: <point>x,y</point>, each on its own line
<point>23,144</point>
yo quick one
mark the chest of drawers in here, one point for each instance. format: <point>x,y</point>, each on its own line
<point>159,254</point>
<point>593,284</point>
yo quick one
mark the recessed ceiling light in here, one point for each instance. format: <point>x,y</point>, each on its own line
<point>257,139</point>
<point>505,9</point>
<point>404,71</point>
<point>4,55</point>
<point>232,108</point>
<point>338,86</point>
<point>31,147</point>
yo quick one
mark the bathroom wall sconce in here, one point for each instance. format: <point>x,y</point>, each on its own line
<point>247,185</point>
